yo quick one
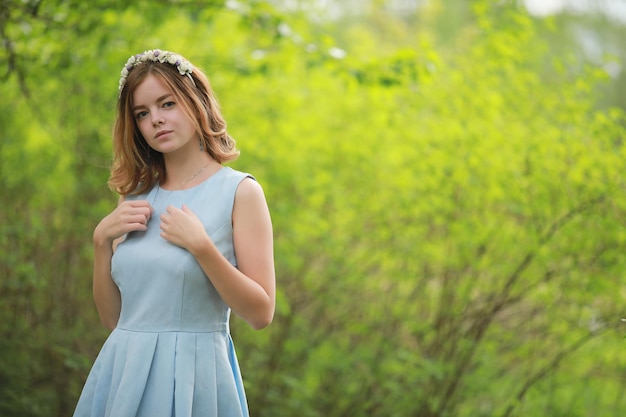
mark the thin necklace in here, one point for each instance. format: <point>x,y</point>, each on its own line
<point>194,175</point>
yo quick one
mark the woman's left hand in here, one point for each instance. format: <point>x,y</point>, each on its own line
<point>182,228</point>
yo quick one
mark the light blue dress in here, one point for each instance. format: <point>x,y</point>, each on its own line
<point>171,353</point>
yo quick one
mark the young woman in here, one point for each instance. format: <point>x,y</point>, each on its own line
<point>189,240</point>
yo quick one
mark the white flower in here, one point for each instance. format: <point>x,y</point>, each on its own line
<point>185,68</point>
<point>284,29</point>
<point>258,54</point>
<point>147,55</point>
<point>337,53</point>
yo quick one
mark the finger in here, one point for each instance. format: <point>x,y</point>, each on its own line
<point>171,210</point>
<point>137,227</point>
<point>145,211</point>
<point>133,227</point>
<point>138,218</point>
<point>189,211</point>
<point>142,205</point>
<point>130,208</point>
<point>138,203</point>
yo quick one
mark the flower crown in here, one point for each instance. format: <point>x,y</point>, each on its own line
<point>183,66</point>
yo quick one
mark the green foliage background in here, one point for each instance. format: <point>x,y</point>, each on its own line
<point>446,188</point>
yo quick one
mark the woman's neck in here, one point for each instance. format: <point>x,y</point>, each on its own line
<point>185,172</point>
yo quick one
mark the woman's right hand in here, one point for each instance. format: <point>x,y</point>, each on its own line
<point>128,216</point>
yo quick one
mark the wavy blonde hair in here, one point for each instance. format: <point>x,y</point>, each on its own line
<point>136,166</point>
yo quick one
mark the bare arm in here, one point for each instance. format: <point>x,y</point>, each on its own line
<point>127,217</point>
<point>249,289</point>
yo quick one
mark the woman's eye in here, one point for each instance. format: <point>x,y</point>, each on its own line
<point>140,115</point>
<point>168,104</point>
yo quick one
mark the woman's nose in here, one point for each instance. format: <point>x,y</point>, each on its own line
<point>157,118</point>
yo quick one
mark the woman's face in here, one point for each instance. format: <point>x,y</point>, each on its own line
<point>161,119</point>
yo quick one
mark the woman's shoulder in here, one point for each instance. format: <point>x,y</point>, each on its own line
<point>236,175</point>
<point>137,195</point>
<point>236,172</point>
<point>245,186</point>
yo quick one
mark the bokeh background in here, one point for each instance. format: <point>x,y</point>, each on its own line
<point>446,179</point>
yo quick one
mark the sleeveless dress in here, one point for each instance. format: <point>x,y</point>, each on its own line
<point>171,353</point>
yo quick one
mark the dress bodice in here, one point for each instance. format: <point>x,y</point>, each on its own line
<point>162,286</point>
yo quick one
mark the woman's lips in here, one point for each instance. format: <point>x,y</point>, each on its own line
<point>161,133</point>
